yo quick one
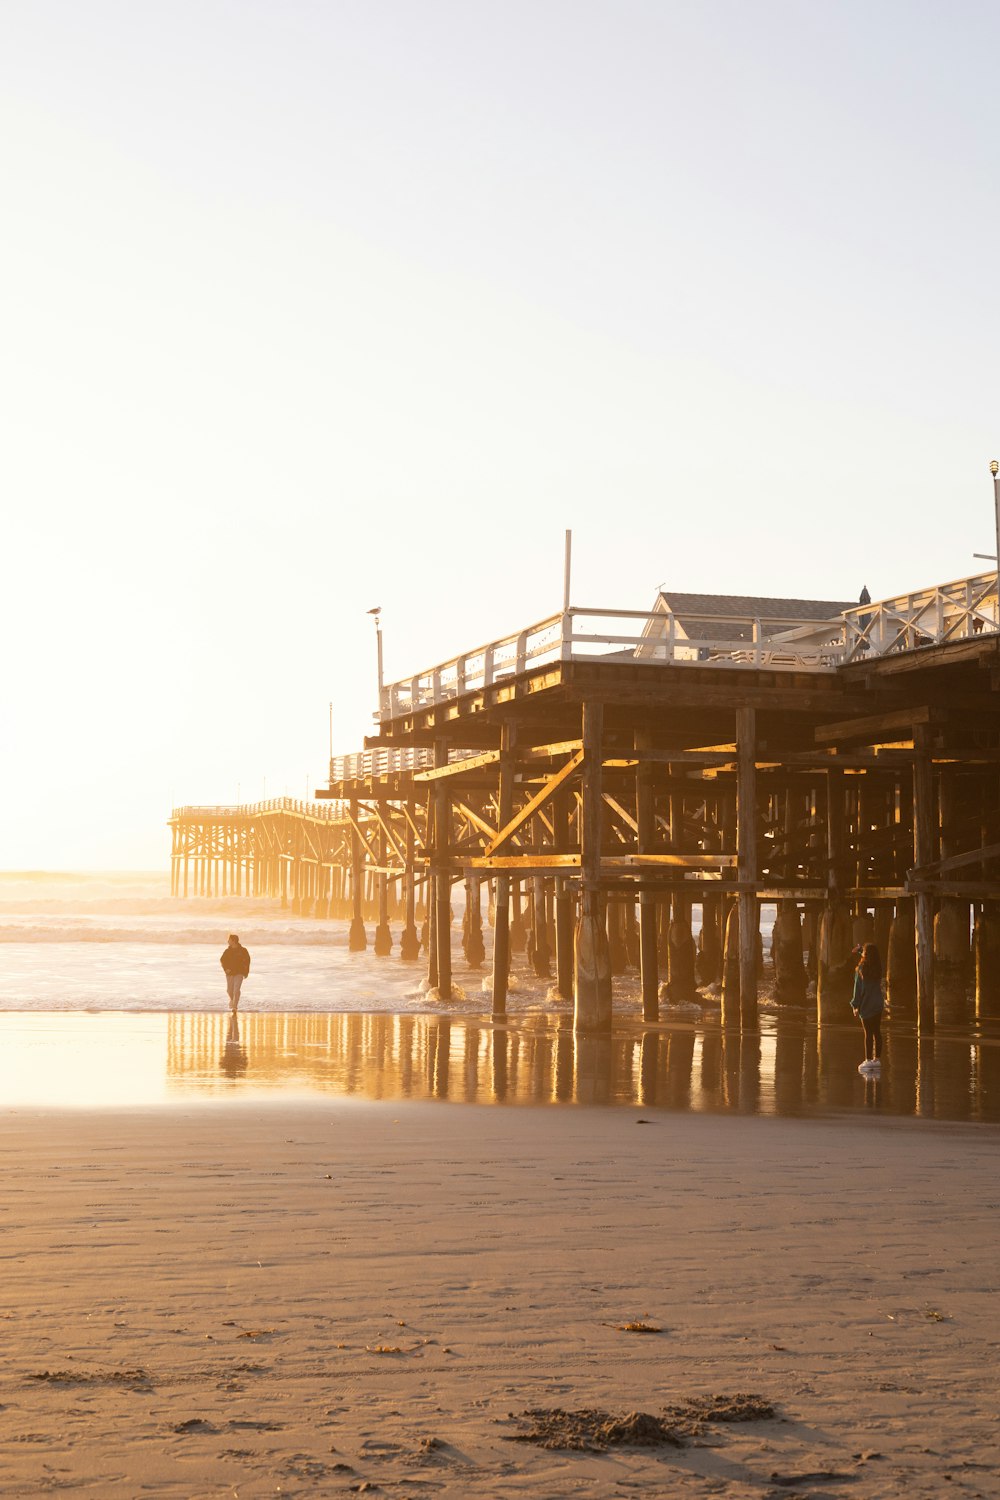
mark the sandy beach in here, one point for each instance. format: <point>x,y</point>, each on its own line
<point>344,1297</point>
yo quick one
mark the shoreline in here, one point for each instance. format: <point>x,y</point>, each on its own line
<point>789,1068</point>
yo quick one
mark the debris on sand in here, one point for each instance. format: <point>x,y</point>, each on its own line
<point>137,1377</point>
<point>743,1407</point>
<point>638,1328</point>
<point>594,1431</point>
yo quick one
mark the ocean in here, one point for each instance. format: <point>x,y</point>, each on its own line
<point>120,942</point>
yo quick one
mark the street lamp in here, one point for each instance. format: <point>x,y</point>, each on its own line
<point>376,612</point>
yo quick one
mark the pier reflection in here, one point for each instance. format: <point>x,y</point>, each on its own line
<point>789,1068</point>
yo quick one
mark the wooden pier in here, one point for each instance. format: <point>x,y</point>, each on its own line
<point>604,773</point>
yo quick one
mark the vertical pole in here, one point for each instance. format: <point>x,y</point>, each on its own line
<point>442,823</point>
<point>501,919</point>
<point>923,854</point>
<point>746,859</point>
<point>357,940</point>
<point>383,937</point>
<point>645,817</point>
<point>593,964</point>
<point>834,976</point>
<point>409,942</point>
<point>564,901</point>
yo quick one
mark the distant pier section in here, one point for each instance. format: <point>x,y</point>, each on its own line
<point>603,777</point>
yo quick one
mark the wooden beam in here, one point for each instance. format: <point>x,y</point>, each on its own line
<point>536,802</point>
<point>476,820</point>
<point>670,861</point>
<point>868,729</point>
<point>926,873</point>
<point>524,862</point>
<point>625,816</point>
<point>456,767</point>
<point>546,752</point>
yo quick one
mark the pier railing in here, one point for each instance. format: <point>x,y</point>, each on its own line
<point>326,812</point>
<point>946,612</point>
<point>383,761</point>
<point>622,635</point>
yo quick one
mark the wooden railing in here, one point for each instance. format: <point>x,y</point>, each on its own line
<point>384,761</point>
<point>946,612</point>
<point>928,617</point>
<point>619,634</point>
<point>326,812</point>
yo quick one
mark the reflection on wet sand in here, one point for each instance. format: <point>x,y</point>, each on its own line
<point>790,1068</point>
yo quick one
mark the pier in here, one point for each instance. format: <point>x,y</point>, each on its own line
<point>596,779</point>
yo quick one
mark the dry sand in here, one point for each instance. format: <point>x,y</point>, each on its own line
<point>330,1298</point>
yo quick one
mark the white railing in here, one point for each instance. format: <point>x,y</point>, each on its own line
<point>928,617</point>
<point>326,812</point>
<point>622,635</point>
<point>946,612</point>
<point>383,761</point>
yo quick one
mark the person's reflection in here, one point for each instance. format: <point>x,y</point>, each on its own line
<point>234,1056</point>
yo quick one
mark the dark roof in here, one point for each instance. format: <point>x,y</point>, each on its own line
<point>706,616</point>
<point>726,606</point>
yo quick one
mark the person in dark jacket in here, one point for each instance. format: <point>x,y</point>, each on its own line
<point>867,1004</point>
<point>235,961</point>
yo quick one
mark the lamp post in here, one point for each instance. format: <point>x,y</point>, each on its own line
<point>995,471</point>
<point>376,612</point>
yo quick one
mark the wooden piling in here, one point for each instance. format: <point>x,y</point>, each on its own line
<point>645,816</point>
<point>923,854</point>
<point>592,969</point>
<point>563,898</point>
<point>357,938</point>
<point>501,918</point>
<point>382,945</point>
<point>746,840</point>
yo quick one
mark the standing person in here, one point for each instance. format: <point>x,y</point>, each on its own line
<point>867,1004</point>
<point>235,961</point>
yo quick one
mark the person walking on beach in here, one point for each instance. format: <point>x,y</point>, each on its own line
<point>235,961</point>
<point>867,1004</point>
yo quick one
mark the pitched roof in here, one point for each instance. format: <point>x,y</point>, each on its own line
<point>707,616</point>
<point>730,606</point>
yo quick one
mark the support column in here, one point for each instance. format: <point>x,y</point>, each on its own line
<point>472,923</point>
<point>681,952</point>
<point>923,854</point>
<point>835,970</point>
<point>786,947</point>
<point>383,937</point>
<point>709,960</point>
<point>645,817</point>
<point>987,947</point>
<point>357,938</point>
<point>563,899</point>
<point>592,972</point>
<point>746,852</point>
<point>442,837</point>
<point>409,941</point>
<point>952,949</point>
<point>501,918</point>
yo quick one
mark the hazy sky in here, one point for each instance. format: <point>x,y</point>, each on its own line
<point>307,307</point>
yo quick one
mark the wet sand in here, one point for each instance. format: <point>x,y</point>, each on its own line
<point>330,1297</point>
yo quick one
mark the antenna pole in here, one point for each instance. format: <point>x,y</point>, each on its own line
<point>566,571</point>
